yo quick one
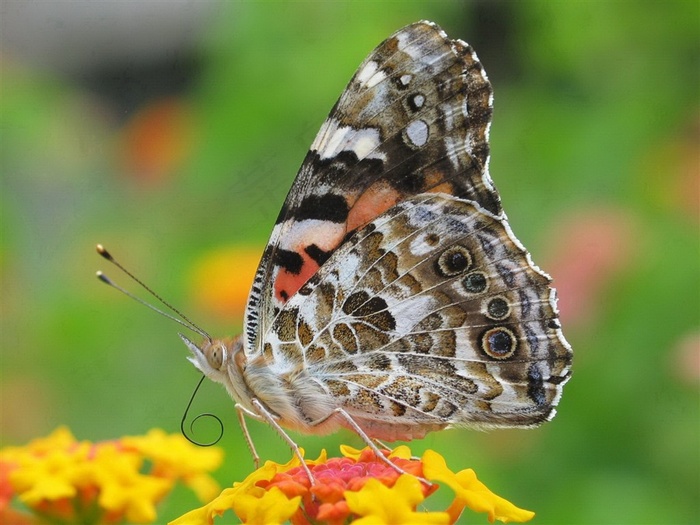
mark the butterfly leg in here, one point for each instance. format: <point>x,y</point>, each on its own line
<point>370,443</point>
<point>382,445</point>
<point>241,411</point>
<point>264,415</point>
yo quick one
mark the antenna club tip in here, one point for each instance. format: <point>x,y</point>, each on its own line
<point>103,252</point>
<point>102,277</point>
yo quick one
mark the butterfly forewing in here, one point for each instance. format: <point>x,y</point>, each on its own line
<point>414,118</point>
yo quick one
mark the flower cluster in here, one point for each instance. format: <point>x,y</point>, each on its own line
<point>63,480</point>
<point>357,488</point>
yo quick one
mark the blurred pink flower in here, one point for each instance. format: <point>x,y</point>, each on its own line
<point>590,248</point>
<point>686,362</point>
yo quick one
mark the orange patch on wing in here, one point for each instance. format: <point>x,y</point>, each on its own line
<point>445,187</point>
<point>289,283</point>
<point>326,236</point>
<point>435,181</point>
<point>378,198</point>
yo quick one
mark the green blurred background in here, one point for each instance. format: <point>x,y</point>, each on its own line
<point>170,131</point>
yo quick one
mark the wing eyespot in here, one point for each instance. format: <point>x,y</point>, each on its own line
<point>475,282</point>
<point>497,308</point>
<point>499,343</point>
<point>453,261</point>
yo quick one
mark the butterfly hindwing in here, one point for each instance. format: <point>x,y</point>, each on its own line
<point>431,315</point>
<point>413,119</point>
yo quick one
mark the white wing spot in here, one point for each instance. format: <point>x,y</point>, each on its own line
<point>405,79</point>
<point>417,133</point>
<point>418,101</point>
<point>422,245</point>
<point>364,142</point>
<point>334,138</point>
<point>408,314</point>
<point>370,75</point>
<point>366,72</point>
<point>453,152</point>
<point>419,51</point>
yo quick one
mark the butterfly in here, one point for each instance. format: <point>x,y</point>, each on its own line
<point>393,298</point>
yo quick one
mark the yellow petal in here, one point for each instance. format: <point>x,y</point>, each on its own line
<point>402,452</point>
<point>272,507</point>
<point>376,503</point>
<point>205,515</point>
<point>322,458</point>
<point>472,492</point>
<point>478,497</point>
<point>172,455</point>
<point>51,476</point>
<point>123,489</point>
<point>350,452</point>
<point>200,516</point>
<point>205,487</point>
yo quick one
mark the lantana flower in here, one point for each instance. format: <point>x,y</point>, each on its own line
<point>358,488</point>
<point>63,480</point>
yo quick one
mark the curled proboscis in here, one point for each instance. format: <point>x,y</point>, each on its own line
<point>188,433</point>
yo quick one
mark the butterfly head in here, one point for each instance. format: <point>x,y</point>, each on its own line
<point>217,357</point>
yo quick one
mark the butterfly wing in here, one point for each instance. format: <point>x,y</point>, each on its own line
<point>431,315</point>
<point>413,119</point>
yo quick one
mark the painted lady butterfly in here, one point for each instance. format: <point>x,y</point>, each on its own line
<point>393,298</point>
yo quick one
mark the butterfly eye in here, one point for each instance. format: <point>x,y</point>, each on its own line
<point>216,355</point>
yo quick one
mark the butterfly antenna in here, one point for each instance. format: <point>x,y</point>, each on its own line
<point>183,320</point>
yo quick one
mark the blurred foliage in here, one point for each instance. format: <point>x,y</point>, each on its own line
<point>594,149</point>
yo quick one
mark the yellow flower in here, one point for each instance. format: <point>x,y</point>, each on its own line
<point>267,508</point>
<point>471,492</point>
<point>176,458</point>
<point>358,487</point>
<point>247,500</point>
<point>81,482</point>
<point>123,489</point>
<point>50,476</point>
<point>377,503</point>
<point>61,438</point>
